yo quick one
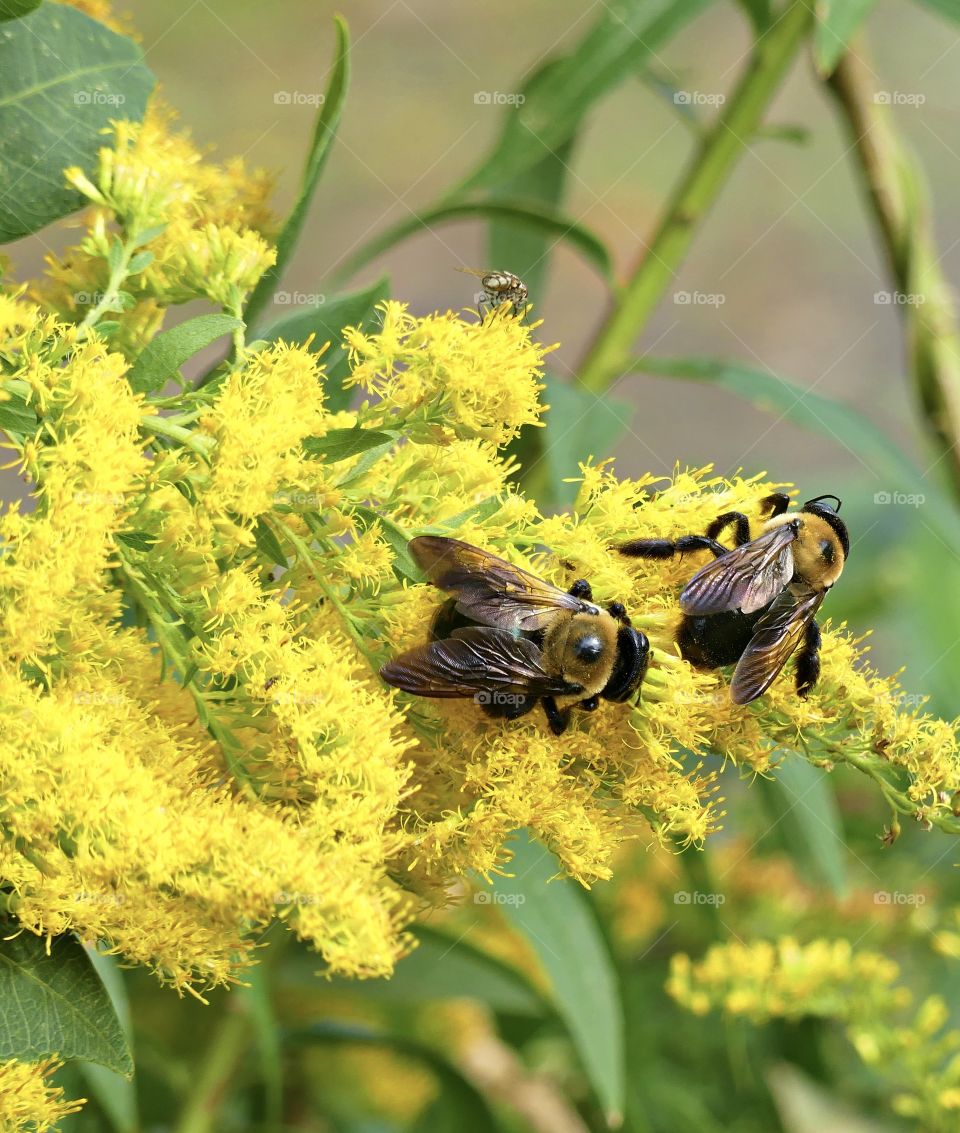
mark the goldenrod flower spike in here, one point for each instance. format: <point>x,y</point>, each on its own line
<point>28,1102</point>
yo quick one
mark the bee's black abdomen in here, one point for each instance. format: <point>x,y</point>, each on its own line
<point>448,619</point>
<point>711,640</point>
<point>633,658</point>
<point>808,660</point>
<point>505,706</point>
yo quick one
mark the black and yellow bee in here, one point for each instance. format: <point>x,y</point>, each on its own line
<point>755,604</point>
<point>499,287</point>
<point>510,640</point>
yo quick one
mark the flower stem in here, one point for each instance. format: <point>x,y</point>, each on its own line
<point>118,275</point>
<point>226,1048</point>
<point>898,196</point>
<point>705,178</point>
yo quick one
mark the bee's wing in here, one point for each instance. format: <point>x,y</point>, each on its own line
<point>745,579</point>
<point>478,272</point>
<point>477,659</point>
<point>488,589</point>
<point>775,637</point>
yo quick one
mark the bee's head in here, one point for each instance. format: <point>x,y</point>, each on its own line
<point>827,511</point>
<point>584,647</point>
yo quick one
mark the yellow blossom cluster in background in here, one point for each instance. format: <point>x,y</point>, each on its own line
<point>911,1047</point>
<point>196,741</point>
<point>28,1101</point>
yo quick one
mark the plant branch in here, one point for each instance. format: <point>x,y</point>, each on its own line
<point>722,145</point>
<point>895,186</point>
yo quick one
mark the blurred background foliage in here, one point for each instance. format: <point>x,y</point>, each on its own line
<point>777,346</point>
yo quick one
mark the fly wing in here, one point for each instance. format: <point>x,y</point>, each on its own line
<point>777,635</point>
<point>475,660</point>
<point>745,579</point>
<point>488,589</point>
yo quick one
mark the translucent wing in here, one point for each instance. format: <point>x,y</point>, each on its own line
<point>745,579</point>
<point>776,636</point>
<point>489,590</point>
<point>475,660</point>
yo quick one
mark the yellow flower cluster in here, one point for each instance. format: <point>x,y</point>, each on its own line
<point>196,740</point>
<point>192,230</point>
<point>450,374</point>
<point>918,1061</point>
<point>28,1103</point>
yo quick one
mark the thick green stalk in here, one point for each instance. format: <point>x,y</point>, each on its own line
<point>227,1047</point>
<point>897,194</point>
<point>706,177</point>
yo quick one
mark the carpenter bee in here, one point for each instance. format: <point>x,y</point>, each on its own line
<point>499,287</point>
<point>508,639</point>
<point>755,604</point>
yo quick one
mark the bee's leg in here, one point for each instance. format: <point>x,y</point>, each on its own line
<point>741,531</point>
<point>557,718</point>
<point>808,659</point>
<point>667,548</point>
<point>591,704</point>
<point>618,611</point>
<point>582,589</point>
<point>776,503</point>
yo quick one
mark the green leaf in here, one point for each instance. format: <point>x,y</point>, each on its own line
<point>758,12</point>
<point>340,444</point>
<point>396,538</point>
<point>14,9</point>
<point>138,540</point>
<point>268,543</point>
<point>440,967</point>
<point>620,43</point>
<point>948,8</point>
<point>559,925</point>
<point>523,248</point>
<point>806,819</point>
<point>837,21</point>
<point>63,77</point>
<point>325,323</point>
<point>533,216</point>
<point>324,132</point>
<point>461,1108</point>
<point>163,356</point>
<point>56,1004</point>
<point>579,424</point>
<point>115,1094</point>
<point>17,418</point>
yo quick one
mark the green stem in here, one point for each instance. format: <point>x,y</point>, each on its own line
<point>118,276</point>
<point>227,1047</point>
<point>895,187</point>
<point>898,800</point>
<point>705,178</point>
<point>189,438</point>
